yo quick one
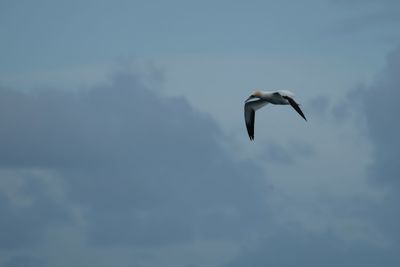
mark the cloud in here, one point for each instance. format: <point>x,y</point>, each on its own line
<point>294,246</point>
<point>319,106</point>
<point>380,106</point>
<point>28,209</point>
<point>25,261</point>
<point>348,107</point>
<point>141,169</point>
<point>288,153</point>
<point>130,168</point>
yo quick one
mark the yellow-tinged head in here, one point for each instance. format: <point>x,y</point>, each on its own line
<point>255,94</point>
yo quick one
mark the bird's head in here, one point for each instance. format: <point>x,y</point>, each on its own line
<point>255,94</point>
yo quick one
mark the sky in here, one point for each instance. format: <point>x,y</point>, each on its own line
<point>123,143</point>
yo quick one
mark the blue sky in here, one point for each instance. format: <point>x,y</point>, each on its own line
<point>88,32</point>
<point>122,140</point>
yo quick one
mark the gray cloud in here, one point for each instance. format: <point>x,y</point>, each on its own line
<point>348,108</point>
<point>146,171</point>
<point>380,106</point>
<point>287,154</point>
<point>319,105</point>
<point>28,213</point>
<point>24,261</point>
<point>293,246</point>
<point>142,169</point>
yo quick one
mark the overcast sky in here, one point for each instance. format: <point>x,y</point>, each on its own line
<point>122,139</point>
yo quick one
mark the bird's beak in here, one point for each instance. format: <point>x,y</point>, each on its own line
<point>250,97</point>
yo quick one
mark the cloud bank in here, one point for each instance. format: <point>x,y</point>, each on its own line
<point>119,169</point>
<point>124,165</point>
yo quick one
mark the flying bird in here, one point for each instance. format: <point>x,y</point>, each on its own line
<point>280,97</point>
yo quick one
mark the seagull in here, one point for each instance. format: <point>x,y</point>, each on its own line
<point>279,97</point>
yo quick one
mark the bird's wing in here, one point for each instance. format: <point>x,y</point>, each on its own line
<point>284,93</point>
<point>249,115</point>
<point>295,106</point>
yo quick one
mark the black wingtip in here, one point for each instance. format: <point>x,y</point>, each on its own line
<point>251,137</point>
<point>296,107</point>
